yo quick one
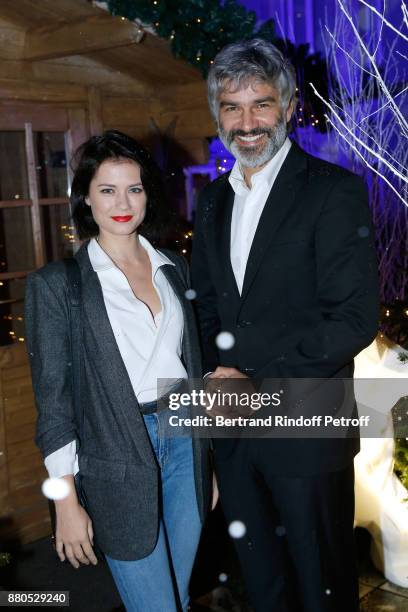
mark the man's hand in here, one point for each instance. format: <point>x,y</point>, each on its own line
<point>74,533</point>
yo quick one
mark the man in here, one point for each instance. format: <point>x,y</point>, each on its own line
<point>284,260</point>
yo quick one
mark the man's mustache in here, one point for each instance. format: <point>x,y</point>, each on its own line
<point>255,132</point>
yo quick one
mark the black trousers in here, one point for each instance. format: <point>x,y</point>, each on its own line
<point>298,552</point>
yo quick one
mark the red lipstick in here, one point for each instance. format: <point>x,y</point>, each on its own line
<point>122,219</point>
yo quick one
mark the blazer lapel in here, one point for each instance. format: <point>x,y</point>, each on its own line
<point>106,356</point>
<point>279,202</point>
<point>222,234</point>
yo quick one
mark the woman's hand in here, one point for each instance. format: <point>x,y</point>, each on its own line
<point>215,493</point>
<point>74,533</point>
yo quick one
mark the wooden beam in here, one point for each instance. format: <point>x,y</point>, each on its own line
<point>95,111</point>
<point>131,111</point>
<point>85,35</point>
<point>15,203</point>
<point>5,505</point>
<point>183,97</point>
<point>27,89</point>
<point>196,123</point>
<point>53,201</point>
<point>78,130</point>
<point>33,191</point>
<point>4,276</point>
<point>43,117</point>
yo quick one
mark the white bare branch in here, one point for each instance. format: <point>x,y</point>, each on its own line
<point>359,153</point>
<point>385,21</point>
<point>348,132</point>
<point>368,128</point>
<point>398,115</point>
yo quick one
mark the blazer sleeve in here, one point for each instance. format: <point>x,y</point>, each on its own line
<point>347,288</point>
<point>206,297</point>
<point>48,342</point>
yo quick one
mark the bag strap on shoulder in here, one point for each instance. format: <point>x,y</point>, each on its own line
<point>181,265</point>
<point>73,273</point>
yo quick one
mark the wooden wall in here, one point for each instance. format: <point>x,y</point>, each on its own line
<point>111,98</point>
<point>23,508</point>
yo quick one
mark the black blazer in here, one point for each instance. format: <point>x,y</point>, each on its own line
<point>309,301</point>
<point>118,467</point>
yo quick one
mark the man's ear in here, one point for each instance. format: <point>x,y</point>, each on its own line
<point>290,110</point>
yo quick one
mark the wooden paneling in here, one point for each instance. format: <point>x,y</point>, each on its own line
<point>95,111</point>
<point>195,123</point>
<point>150,61</point>
<point>22,472</point>
<point>141,134</point>
<point>11,41</point>
<point>185,97</point>
<point>13,116</point>
<point>75,26</point>
<point>27,525</point>
<point>23,508</point>
<point>5,503</point>
<point>72,71</point>
<point>6,507</point>
<point>32,13</point>
<point>9,275</point>
<point>133,116</point>
<point>78,128</point>
<point>44,92</point>
<point>26,497</point>
<point>12,357</point>
<point>33,193</point>
<point>129,85</point>
<point>83,35</point>
<point>19,414</point>
<point>130,111</point>
<point>18,433</point>
<point>189,104</point>
<point>22,448</point>
<point>85,71</point>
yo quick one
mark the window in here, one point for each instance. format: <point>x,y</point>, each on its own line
<point>35,217</point>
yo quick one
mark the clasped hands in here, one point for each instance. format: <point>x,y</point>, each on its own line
<point>228,384</point>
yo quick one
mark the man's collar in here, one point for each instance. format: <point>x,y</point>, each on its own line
<point>101,261</point>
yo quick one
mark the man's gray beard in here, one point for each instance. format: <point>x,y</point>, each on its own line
<point>252,157</point>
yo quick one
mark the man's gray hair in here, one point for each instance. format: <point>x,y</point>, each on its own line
<point>238,63</point>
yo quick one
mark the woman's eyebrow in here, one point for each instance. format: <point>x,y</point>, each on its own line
<point>109,185</point>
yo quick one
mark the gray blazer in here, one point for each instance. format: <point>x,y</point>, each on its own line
<point>116,460</point>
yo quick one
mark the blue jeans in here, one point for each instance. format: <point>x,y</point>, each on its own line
<point>147,585</point>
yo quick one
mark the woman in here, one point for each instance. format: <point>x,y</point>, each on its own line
<point>146,494</point>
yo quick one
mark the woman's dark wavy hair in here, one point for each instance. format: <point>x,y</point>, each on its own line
<point>115,145</point>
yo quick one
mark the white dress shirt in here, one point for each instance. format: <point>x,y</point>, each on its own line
<point>149,346</point>
<point>248,207</point>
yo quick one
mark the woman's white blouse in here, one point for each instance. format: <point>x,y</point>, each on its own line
<point>150,347</point>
